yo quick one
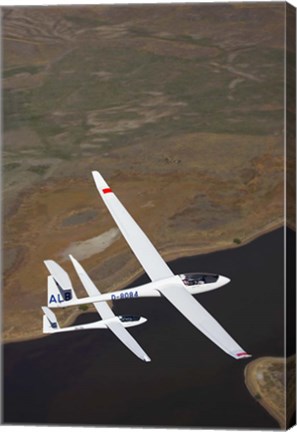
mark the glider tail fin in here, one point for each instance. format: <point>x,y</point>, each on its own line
<point>59,286</point>
<point>57,296</point>
<point>53,293</point>
<point>50,323</point>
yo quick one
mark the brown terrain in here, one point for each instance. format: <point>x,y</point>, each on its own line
<point>179,109</point>
<point>272,382</point>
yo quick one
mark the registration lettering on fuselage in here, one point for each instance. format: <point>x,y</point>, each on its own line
<point>124,295</point>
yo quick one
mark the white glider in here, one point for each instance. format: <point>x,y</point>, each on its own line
<point>178,289</point>
<point>51,325</point>
<point>59,286</point>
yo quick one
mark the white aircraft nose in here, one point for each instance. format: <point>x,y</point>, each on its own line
<point>224,280</point>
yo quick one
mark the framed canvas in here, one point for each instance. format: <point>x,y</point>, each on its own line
<point>149,196</point>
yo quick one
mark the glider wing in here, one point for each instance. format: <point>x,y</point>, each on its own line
<point>145,252</point>
<point>201,319</point>
<point>105,311</point>
<point>102,307</point>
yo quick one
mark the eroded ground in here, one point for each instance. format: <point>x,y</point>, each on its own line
<point>180,110</point>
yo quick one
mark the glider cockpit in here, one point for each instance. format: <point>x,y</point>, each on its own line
<point>198,278</point>
<point>129,318</point>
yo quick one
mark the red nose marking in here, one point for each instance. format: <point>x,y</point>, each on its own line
<point>106,190</point>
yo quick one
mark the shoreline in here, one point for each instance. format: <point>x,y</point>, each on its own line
<point>187,252</point>
<point>168,255</point>
<point>279,386</point>
<point>251,379</point>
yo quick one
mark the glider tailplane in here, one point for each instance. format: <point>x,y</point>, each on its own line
<point>50,323</point>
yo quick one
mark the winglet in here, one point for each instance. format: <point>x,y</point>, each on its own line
<point>101,184</point>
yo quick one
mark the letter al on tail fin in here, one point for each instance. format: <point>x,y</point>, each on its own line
<point>59,286</point>
<point>50,323</point>
<point>56,295</point>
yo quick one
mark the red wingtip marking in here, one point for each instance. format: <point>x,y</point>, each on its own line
<point>242,354</point>
<point>106,190</point>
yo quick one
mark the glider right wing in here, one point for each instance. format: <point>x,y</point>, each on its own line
<point>201,319</point>
<point>119,330</point>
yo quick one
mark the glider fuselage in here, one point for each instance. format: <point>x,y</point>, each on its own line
<point>195,283</point>
<point>126,320</point>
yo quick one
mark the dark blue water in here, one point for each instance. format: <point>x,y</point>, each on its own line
<point>90,378</point>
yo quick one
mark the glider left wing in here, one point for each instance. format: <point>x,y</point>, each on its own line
<point>150,259</point>
<point>102,307</point>
<point>105,311</point>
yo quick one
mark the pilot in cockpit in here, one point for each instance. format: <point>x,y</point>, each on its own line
<point>187,280</point>
<point>184,279</point>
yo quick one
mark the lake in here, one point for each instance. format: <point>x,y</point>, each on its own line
<point>90,378</point>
